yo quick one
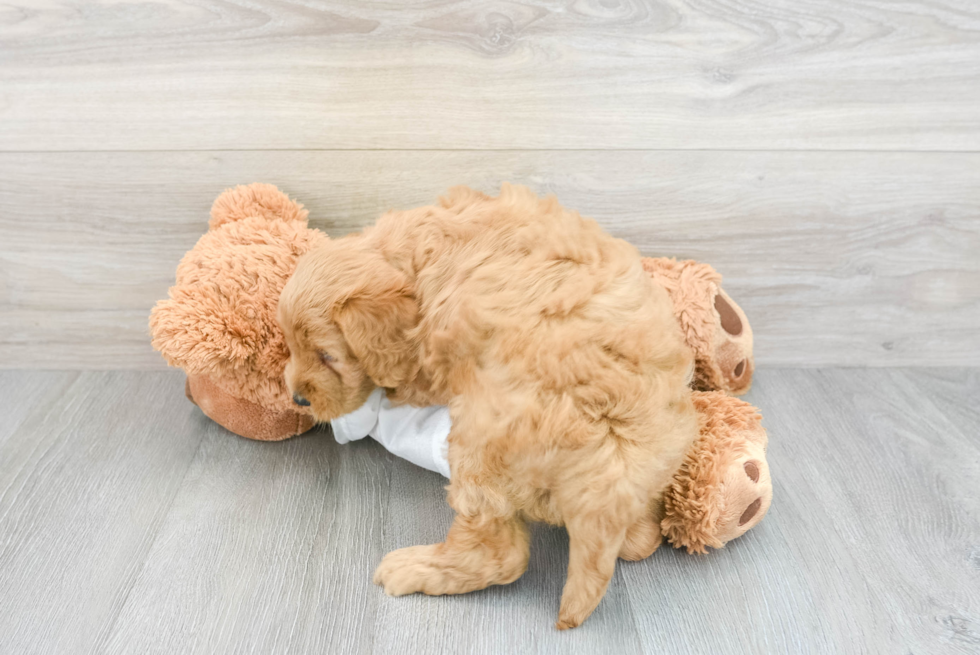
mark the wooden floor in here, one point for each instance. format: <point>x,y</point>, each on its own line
<point>129,523</point>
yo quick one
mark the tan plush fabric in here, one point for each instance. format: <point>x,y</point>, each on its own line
<point>219,319</point>
<point>723,487</point>
<point>714,326</point>
<point>243,417</point>
<point>255,201</point>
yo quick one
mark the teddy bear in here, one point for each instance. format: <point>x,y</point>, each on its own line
<point>219,325</point>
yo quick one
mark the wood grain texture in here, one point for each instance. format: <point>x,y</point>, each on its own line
<point>837,258</point>
<point>861,461</point>
<point>872,543</point>
<point>89,464</point>
<point>268,548</point>
<point>449,74</point>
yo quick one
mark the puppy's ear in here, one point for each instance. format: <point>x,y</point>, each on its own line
<point>375,319</point>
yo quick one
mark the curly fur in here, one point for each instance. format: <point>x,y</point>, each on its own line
<point>563,367</point>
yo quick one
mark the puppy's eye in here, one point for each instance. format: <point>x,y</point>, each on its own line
<point>327,359</point>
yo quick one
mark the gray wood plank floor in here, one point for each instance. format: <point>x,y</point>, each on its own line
<point>129,523</point>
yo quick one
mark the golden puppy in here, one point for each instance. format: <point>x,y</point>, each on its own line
<point>561,363</point>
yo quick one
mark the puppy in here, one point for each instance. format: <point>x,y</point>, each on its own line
<point>562,366</point>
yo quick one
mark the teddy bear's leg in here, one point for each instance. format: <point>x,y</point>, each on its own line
<point>723,488</point>
<point>713,325</point>
<point>746,495</point>
<point>729,357</point>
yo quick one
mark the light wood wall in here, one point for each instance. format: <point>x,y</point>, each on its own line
<point>824,155</point>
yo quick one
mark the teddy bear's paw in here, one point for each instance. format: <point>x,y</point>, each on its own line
<point>728,317</point>
<point>731,362</point>
<point>753,472</point>
<point>746,494</point>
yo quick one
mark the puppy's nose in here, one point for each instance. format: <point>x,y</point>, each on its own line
<point>300,400</point>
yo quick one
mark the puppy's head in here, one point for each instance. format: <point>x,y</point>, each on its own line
<point>345,314</point>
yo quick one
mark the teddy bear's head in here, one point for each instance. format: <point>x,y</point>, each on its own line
<point>219,322</point>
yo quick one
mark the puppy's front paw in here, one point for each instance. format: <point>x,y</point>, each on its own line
<point>408,571</point>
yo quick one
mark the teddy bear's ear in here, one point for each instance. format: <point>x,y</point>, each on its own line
<point>203,332</point>
<point>262,200</point>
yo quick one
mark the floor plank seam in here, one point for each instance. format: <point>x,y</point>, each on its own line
<point>37,465</point>
<point>105,636</point>
<point>628,589</point>
<point>382,516</point>
<point>309,557</point>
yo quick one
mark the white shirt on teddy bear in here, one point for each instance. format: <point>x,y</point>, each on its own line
<point>418,434</point>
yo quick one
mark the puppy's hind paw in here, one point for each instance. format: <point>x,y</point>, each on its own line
<point>407,571</point>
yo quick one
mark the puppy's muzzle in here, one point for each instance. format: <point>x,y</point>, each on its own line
<point>300,400</point>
